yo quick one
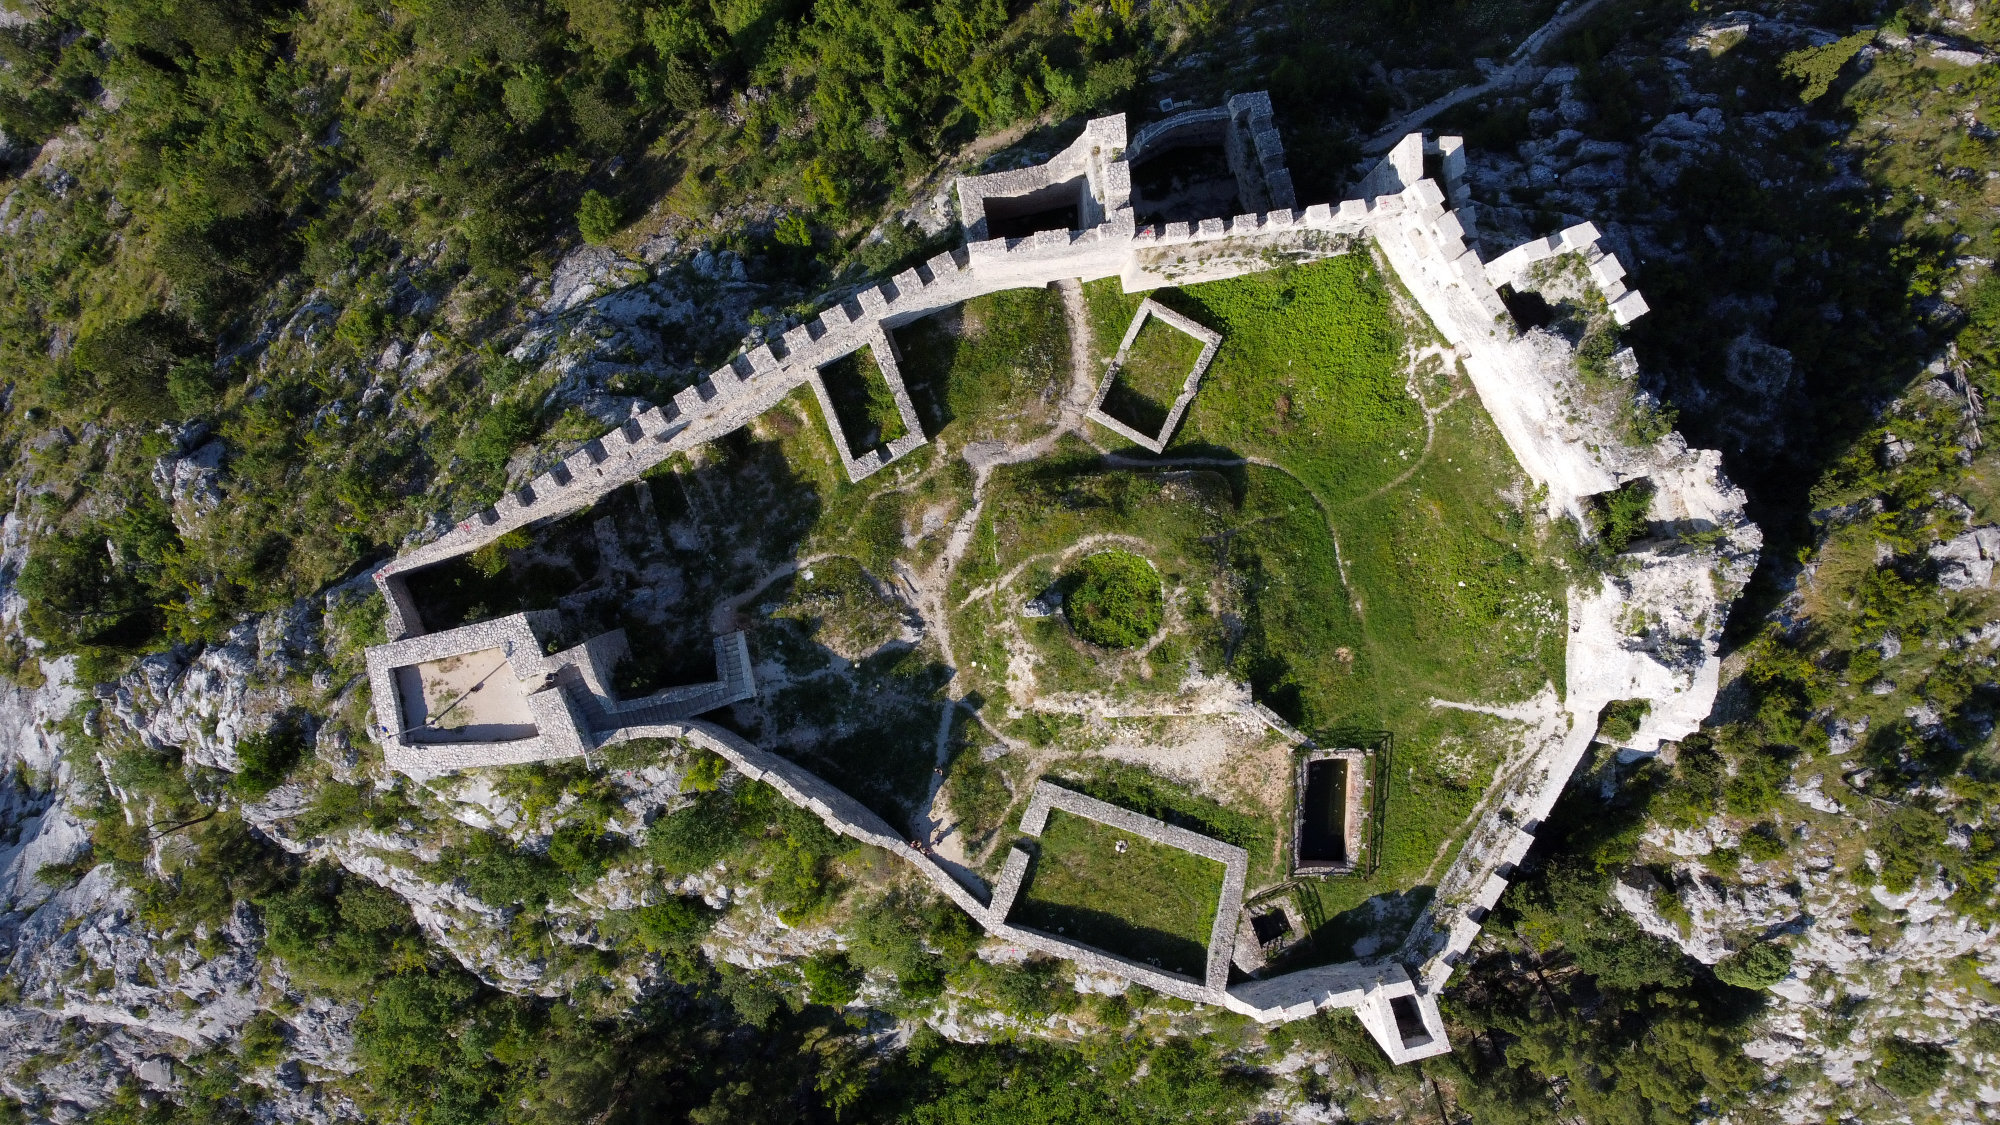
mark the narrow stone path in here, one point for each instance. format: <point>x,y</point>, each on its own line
<point>1547,726</point>
<point>1083,373</point>
<point>1449,355</point>
<point>722,618</point>
<point>930,586</point>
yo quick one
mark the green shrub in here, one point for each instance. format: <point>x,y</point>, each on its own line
<point>1620,719</point>
<point>1114,600</point>
<point>1760,966</point>
<point>1618,517</point>
<point>672,925</point>
<point>262,1041</point>
<point>583,852</point>
<point>527,95</point>
<point>490,560</point>
<point>892,935</point>
<point>267,759</point>
<point>705,771</point>
<point>339,931</point>
<point>1764,842</point>
<point>1912,1069</point>
<point>75,595</point>
<point>793,230</point>
<point>1338,1033</point>
<point>1908,841</point>
<point>490,440</point>
<point>495,872</point>
<point>598,217</point>
<point>1817,67</point>
<point>694,838</point>
<point>192,386</point>
<point>831,979</point>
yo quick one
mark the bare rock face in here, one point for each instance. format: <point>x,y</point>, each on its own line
<point>192,482</point>
<point>85,953</point>
<point>1966,561</point>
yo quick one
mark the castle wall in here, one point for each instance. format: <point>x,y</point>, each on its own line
<point>1519,380</point>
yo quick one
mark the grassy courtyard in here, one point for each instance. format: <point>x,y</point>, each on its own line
<point>862,401</point>
<point>1155,370</point>
<point>1149,902</point>
<point>1337,524</point>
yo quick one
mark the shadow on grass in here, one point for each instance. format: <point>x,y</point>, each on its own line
<point>1106,931</point>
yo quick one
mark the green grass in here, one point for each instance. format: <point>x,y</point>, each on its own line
<point>845,608</point>
<point>992,368</point>
<point>1150,903</point>
<point>1440,588</point>
<point>1152,376</point>
<point>1309,371</point>
<point>862,401</point>
<point>1114,599</point>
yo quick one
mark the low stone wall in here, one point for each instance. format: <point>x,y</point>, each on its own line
<point>1234,860</point>
<point>1424,244</point>
<point>807,790</point>
<point>889,361</point>
<point>1210,340</point>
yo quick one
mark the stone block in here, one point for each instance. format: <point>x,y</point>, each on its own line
<point>1582,236</point>
<point>1279,184</point>
<point>1319,216</point>
<point>1629,308</point>
<point>1209,228</point>
<point>1607,269</point>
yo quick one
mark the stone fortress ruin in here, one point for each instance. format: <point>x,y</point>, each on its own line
<point>1076,216</point>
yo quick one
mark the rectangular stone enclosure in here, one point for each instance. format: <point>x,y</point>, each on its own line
<point>1235,863</point>
<point>1329,810</point>
<point>882,349</point>
<point>1209,339</point>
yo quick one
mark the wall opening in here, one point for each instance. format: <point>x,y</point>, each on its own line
<point>1058,206</point>
<point>1529,310</point>
<point>1270,926</point>
<point>1323,829</point>
<point>1409,1021</point>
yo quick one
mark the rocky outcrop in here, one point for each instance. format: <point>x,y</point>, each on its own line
<point>1965,562</point>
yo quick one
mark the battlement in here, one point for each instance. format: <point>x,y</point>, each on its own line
<point>1420,224</point>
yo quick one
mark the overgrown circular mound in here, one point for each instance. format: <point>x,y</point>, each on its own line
<point>1114,600</point>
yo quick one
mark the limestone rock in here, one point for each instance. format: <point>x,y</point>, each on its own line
<point>191,483</point>
<point>1966,561</point>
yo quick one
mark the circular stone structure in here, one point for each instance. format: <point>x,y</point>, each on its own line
<point>1114,600</point>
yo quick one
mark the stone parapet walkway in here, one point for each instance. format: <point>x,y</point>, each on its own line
<point>1520,381</point>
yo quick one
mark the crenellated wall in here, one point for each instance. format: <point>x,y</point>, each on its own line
<point>1415,225</point>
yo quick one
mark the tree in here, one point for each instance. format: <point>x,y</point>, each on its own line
<point>598,217</point>
<point>1912,1069</point>
<point>1817,67</point>
<point>75,594</point>
<point>1760,966</point>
